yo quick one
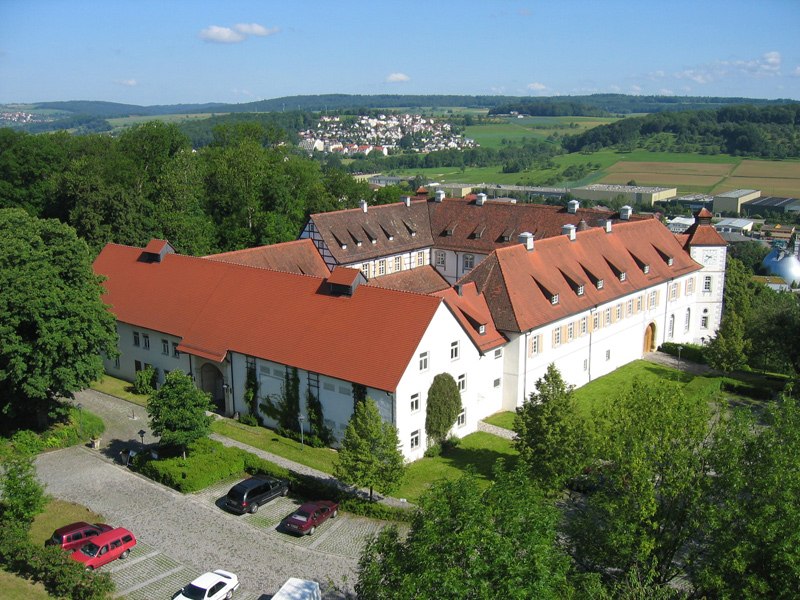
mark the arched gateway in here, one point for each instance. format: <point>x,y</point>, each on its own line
<point>650,338</point>
<point>211,381</point>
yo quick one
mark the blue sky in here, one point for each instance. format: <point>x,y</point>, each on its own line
<point>176,51</point>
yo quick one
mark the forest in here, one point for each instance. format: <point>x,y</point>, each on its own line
<point>741,130</point>
<point>244,189</point>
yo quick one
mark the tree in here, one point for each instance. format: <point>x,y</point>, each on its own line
<point>750,254</point>
<point>751,529</point>
<point>53,324</point>
<point>727,350</point>
<point>651,477</point>
<point>442,407</point>
<point>467,542</point>
<point>21,495</point>
<point>552,439</point>
<point>178,411</point>
<point>368,456</point>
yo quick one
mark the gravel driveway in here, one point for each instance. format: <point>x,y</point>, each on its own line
<point>181,536</point>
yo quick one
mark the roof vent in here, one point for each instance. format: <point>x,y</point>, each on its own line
<point>363,205</point>
<point>480,199</point>
<point>526,239</point>
<point>407,201</point>
<point>573,206</point>
<point>607,225</point>
<point>625,213</point>
<point>569,231</point>
<point>439,195</point>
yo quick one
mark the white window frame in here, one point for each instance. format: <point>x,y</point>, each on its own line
<point>570,331</point>
<point>441,259</point>
<point>461,420</point>
<point>146,341</point>
<point>629,308</point>
<point>469,262</point>
<point>164,347</point>
<point>707,284</point>
<point>688,321</point>
<point>651,299</point>
<point>175,352</point>
<point>596,320</point>
<point>557,337</point>
<point>381,267</point>
<point>420,258</point>
<point>455,350</point>
<point>414,441</point>
<point>414,404</point>
<point>398,264</point>
<point>584,326</point>
<point>136,340</point>
<point>498,353</point>
<point>423,361</point>
<point>461,381</point>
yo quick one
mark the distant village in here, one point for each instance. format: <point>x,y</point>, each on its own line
<point>382,134</point>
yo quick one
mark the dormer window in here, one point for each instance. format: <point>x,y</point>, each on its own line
<point>600,284</point>
<point>645,269</point>
<point>670,260</point>
<point>623,276</point>
<point>580,290</point>
<point>554,299</point>
<point>482,329</point>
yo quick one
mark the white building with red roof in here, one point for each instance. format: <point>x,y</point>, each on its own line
<point>586,290</point>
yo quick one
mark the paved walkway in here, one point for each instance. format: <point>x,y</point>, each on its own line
<point>662,358</point>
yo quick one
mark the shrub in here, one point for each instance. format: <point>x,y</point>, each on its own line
<point>744,389</point>
<point>145,382</point>
<point>248,419</point>
<point>433,451</point>
<point>691,352</point>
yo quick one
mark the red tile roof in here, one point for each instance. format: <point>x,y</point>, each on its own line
<point>300,256</point>
<point>423,280</point>
<point>283,317</point>
<point>470,309</point>
<point>343,276</point>
<point>156,246</point>
<point>461,224</point>
<point>354,235</point>
<point>519,284</point>
<point>702,232</point>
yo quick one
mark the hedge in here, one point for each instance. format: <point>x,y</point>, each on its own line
<point>749,391</point>
<point>691,352</point>
<point>208,462</point>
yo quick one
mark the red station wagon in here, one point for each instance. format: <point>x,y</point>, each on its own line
<point>311,515</point>
<point>75,535</point>
<point>105,548</point>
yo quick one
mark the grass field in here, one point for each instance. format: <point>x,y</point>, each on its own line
<point>121,122</point>
<point>13,587</point>
<point>58,513</point>
<point>119,388</point>
<point>516,130</point>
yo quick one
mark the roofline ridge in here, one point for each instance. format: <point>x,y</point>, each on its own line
<point>229,252</point>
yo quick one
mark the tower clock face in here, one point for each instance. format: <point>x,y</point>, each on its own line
<point>709,257</point>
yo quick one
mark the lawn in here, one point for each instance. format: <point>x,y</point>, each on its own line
<point>56,514</point>
<point>13,587</point>
<point>322,459</point>
<point>118,388</point>
<point>479,451</point>
<point>503,419</point>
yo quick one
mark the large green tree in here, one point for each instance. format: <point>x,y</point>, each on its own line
<point>552,439</point>
<point>751,529</point>
<point>651,477</point>
<point>368,456</point>
<point>53,323</point>
<point>470,542</point>
<point>728,349</point>
<point>442,407</point>
<point>178,411</point>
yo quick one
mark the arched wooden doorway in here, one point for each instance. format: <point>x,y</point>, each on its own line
<point>650,338</point>
<point>211,381</point>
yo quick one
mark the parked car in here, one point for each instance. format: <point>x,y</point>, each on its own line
<point>104,548</point>
<point>248,495</point>
<point>310,515</point>
<point>299,589</point>
<point>210,586</point>
<point>75,535</point>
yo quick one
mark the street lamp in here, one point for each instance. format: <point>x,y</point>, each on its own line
<point>79,406</point>
<point>300,419</point>
<point>679,353</point>
<point>141,435</point>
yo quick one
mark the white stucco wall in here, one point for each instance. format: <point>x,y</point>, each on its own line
<point>130,353</point>
<point>708,303</point>
<point>453,268</point>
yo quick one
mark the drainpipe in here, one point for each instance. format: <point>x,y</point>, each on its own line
<point>525,367</point>
<point>666,310</point>
<point>591,333</point>
<point>233,389</point>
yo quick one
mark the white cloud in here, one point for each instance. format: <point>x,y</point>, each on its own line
<point>656,75</point>
<point>767,65</point>
<point>796,71</point>
<point>636,89</point>
<point>397,78</point>
<point>255,29</point>
<point>233,35</point>
<point>614,88</point>
<point>536,86</point>
<point>127,82</point>
<point>666,92</point>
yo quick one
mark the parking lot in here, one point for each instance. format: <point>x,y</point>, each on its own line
<point>181,536</point>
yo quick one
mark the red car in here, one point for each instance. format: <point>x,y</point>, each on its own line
<point>105,548</point>
<point>310,515</point>
<point>76,535</point>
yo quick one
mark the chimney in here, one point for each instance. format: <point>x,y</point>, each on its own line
<point>573,206</point>
<point>625,213</point>
<point>526,239</point>
<point>459,290</point>
<point>439,195</point>
<point>363,205</point>
<point>480,199</point>
<point>569,231</point>
<point>607,225</point>
<point>406,200</point>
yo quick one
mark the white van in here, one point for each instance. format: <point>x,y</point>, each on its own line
<point>298,589</point>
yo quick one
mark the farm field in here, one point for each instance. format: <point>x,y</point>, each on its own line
<point>690,173</point>
<point>516,130</point>
<point>120,122</point>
